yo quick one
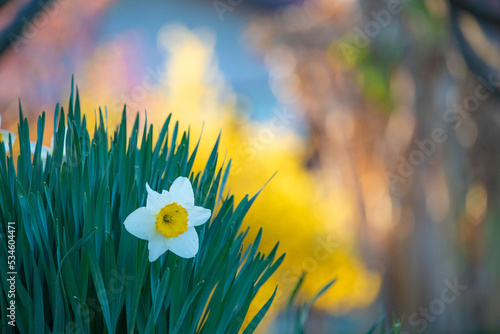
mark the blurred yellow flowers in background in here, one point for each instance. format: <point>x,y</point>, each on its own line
<point>294,208</point>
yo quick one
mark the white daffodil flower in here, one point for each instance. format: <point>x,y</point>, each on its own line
<point>48,150</point>
<point>4,136</point>
<point>44,153</point>
<point>168,220</point>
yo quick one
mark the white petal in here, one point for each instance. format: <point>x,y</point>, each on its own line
<point>32,147</point>
<point>185,245</point>
<point>13,137</point>
<point>44,152</point>
<point>4,137</point>
<point>182,191</point>
<point>156,201</point>
<point>64,144</point>
<point>197,215</point>
<point>140,223</point>
<point>157,245</point>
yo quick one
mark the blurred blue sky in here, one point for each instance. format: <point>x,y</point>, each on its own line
<point>244,72</point>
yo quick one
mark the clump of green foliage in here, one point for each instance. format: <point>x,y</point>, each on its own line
<point>79,270</point>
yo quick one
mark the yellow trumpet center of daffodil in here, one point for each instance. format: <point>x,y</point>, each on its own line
<point>172,220</point>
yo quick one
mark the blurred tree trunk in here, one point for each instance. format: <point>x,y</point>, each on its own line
<point>427,240</point>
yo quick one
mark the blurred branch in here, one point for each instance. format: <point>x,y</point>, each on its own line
<point>480,9</point>
<point>473,60</point>
<point>14,31</point>
<point>3,2</point>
